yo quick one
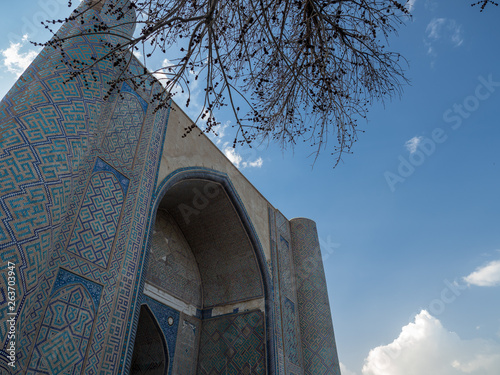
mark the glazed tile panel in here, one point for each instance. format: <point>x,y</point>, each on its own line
<point>57,210</point>
<point>278,329</point>
<point>124,130</point>
<point>288,298</point>
<point>95,228</point>
<point>318,340</point>
<point>233,345</point>
<point>45,135</point>
<point>163,314</point>
<point>67,325</point>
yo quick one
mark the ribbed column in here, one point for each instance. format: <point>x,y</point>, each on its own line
<point>316,328</point>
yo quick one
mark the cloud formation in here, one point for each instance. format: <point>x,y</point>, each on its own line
<point>443,29</point>
<point>245,158</point>
<point>218,132</point>
<point>410,5</point>
<point>426,347</point>
<point>238,160</point>
<point>488,275</point>
<point>413,143</point>
<point>345,371</point>
<point>181,92</point>
<point>16,61</point>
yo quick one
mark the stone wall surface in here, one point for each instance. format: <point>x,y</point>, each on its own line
<point>172,266</point>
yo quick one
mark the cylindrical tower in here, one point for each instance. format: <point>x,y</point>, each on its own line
<point>316,328</point>
<point>48,124</point>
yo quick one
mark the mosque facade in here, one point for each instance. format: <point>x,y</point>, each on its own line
<point>127,248</point>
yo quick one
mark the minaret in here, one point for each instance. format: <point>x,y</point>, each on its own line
<point>48,125</point>
<point>318,340</point>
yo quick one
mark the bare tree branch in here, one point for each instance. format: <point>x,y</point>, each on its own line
<point>289,70</point>
<point>482,4</point>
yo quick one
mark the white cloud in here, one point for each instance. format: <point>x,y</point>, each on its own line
<point>488,275</point>
<point>137,54</point>
<point>434,28</point>
<point>246,158</point>
<point>345,371</point>
<point>237,159</point>
<point>410,5</point>
<point>16,61</point>
<point>442,31</point>
<point>412,144</point>
<point>233,156</point>
<point>446,30</point>
<point>218,133</point>
<point>180,92</point>
<point>426,347</point>
<point>255,164</point>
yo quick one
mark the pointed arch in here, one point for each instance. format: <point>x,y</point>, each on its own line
<point>150,355</point>
<point>200,173</point>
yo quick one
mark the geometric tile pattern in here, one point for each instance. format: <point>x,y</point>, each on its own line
<point>278,329</point>
<point>318,340</point>
<point>127,89</point>
<point>130,241</point>
<point>65,278</point>
<point>65,332</point>
<point>288,295</point>
<point>168,320</point>
<point>46,126</point>
<point>51,140</point>
<point>233,344</point>
<point>145,173</point>
<point>291,345</point>
<point>129,262</point>
<point>286,273</point>
<point>125,127</point>
<point>102,166</point>
<point>95,228</point>
<point>111,10</point>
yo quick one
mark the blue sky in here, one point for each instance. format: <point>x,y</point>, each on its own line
<point>409,222</point>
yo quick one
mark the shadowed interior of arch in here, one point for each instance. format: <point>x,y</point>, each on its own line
<point>150,354</point>
<point>202,263</point>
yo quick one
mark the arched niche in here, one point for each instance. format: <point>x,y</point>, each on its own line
<point>150,356</point>
<point>206,234</point>
<point>199,216</point>
<point>172,266</point>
